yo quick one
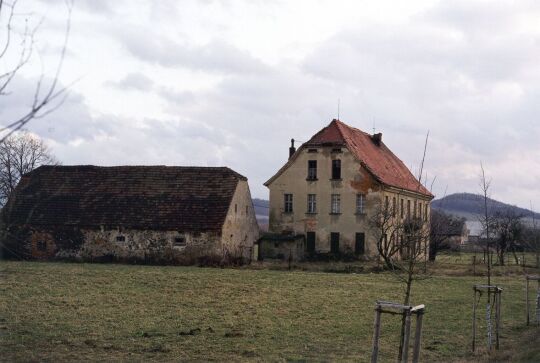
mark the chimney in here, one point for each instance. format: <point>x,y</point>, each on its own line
<point>292,149</point>
<point>377,138</point>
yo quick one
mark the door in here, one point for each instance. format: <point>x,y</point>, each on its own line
<point>360,244</point>
<point>310,242</point>
<point>334,242</point>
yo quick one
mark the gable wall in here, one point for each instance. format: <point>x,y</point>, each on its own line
<point>355,179</point>
<point>240,229</point>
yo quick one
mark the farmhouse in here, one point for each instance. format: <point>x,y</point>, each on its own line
<point>330,188</point>
<point>131,212</point>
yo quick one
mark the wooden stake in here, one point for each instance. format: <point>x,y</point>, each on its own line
<point>527,298</point>
<point>497,318</point>
<point>417,336</point>
<point>376,334</point>
<point>474,321</point>
<point>405,355</point>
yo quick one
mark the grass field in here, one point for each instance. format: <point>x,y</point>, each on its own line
<point>94,312</point>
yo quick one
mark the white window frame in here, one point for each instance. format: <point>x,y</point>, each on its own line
<point>335,204</point>
<point>360,203</point>
<point>312,203</point>
<point>288,203</point>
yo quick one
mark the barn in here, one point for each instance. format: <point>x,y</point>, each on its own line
<point>146,213</point>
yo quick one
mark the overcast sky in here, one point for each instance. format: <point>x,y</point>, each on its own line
<point>229,83</point>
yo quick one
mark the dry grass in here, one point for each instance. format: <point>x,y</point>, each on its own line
<point>74,312</point>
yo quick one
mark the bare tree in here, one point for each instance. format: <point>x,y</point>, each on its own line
<point>486,219</point>
<point>509,230</point>
<point>20,153</point>
<point>442,227</point>
<point>17,46</point>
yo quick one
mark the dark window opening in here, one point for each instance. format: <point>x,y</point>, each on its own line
<point>312,150</point>
<point>120,238</point>
<point>310,242</point>
<point>402,208</point>
<point>179,241</point>
<point>41,245</point>
<point>288,203</point>
<point>337,150</point>
<point>334,242</point>
<point>236,208</point>
<point>247,210</point>
<point>336,169</point>
<point>360,244</point>
<point>312,170</point>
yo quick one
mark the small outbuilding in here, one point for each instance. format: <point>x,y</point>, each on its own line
<point>157,213</point>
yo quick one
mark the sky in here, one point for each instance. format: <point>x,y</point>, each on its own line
<point>229,83</point>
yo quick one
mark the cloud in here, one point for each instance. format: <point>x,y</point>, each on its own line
<point>133,81</point>
<point>215,56</point>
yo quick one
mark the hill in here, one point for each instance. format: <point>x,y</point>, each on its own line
<point>468,205</point>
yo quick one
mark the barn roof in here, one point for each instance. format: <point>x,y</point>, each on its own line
<point>373,154</point>
<point>193,199</point>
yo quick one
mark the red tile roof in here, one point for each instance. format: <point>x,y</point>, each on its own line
<point>386,167</point>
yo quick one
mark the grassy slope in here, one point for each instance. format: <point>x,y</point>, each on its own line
<point>67,312</point>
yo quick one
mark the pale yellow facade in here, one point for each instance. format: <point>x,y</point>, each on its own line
<point>350,222</point>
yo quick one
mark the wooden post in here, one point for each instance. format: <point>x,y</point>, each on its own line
<point>474,320</point>
<point>417,336</point>
<point>497,317</point>
<point>405,354</point>
<point>527,298</point>
<point>474,265</point>
<point>376,334</point>
<point>538,302</point>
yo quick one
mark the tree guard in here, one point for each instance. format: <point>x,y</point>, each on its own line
<point>527,300</point>
<point>386,307</point>
<point>496,292</point>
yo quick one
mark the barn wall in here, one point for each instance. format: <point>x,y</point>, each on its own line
<point>240,229</point>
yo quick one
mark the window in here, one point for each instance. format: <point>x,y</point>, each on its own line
<point>179,241</point>
<point>414,208</point>
<point>41,245</point>
<point>312,170</point>
<point>288,203</point>
<point>336,169</point>
<point>334,242</point>
<point>408,208</point>
<point>120,238</point>
<point>337,150</point>
<point>312,203</point>
<point>247,210</point>
<point>402,208</point>
<point>360,203</point>
<point>394,206</point>
<point>359,246</point>
<point>336,204</point>
<point>386,205</point>
<point>310,242</point>
<point>312,150</point>
<point>236,208</point>
<point>420,210</point>
<point>426,213</point>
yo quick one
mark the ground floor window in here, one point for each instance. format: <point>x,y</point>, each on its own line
<point>334,242</point>
<point>360,243</point>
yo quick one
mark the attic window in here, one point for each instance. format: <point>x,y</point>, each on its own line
<point>179,241</point>
<point>337,150</point>
<point>312,150</point>
<point>120,238</point>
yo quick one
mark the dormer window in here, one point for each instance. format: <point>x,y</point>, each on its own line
<point>337,150</point>
<point>312,150</point>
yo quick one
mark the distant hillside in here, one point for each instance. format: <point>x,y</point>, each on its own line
<point>262,210</point>
<point>468,205</point>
